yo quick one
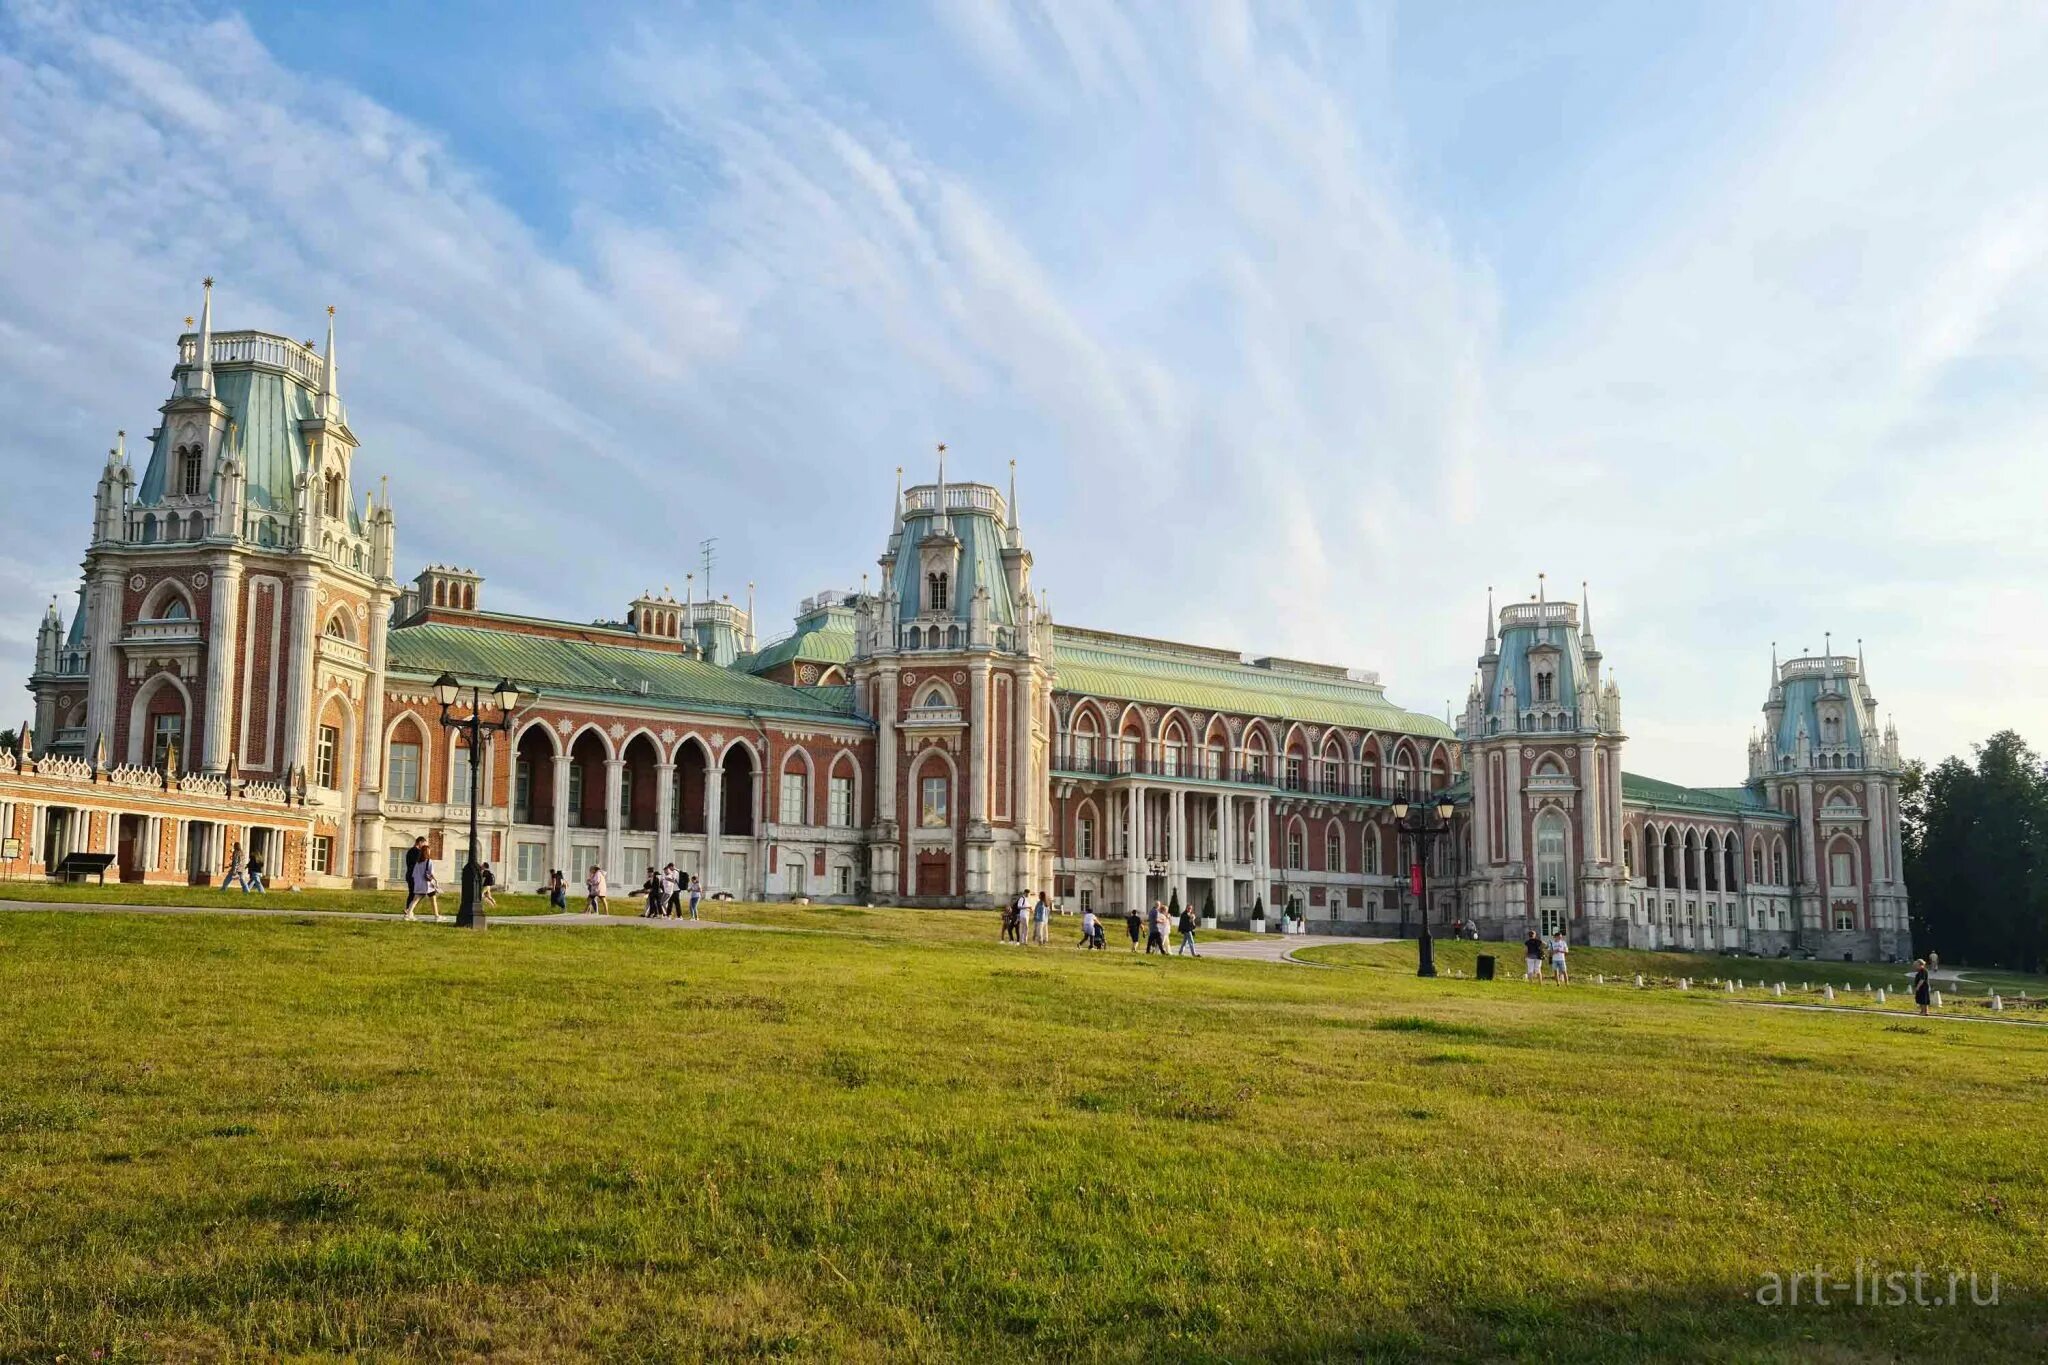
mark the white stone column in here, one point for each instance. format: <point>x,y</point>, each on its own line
<point>103,628</point>
<point>1134,849</point>
<point>714,821</point>
<point>1024,788</point>
<point>1589,805</point>
<point>612,848</point>
<point>1483,796</point>
<point>885,753</point>
<point>1262,849</point>
<point>1220,880</point>
<point>558,851</point>
<point>664,814</point>
<point>223,633</point>
<point>978,732</point>
<point>1177,860</point>
<point>299,672</point>
<point>1513,801</point>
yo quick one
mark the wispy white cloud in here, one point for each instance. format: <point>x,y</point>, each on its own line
<point>1172,260</point>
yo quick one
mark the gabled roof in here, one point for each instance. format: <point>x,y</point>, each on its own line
<point>1649,791</point>
<point>618,674</point>
<point>1094,663</point>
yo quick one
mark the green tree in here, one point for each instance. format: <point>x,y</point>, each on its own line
<point>1976,846</point>
<point>10,741</point>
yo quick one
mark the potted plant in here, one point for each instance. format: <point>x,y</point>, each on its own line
<point>1209,911</point>
<point>1258,921</point>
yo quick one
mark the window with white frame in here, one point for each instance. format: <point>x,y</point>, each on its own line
<point>325,748</point>
<point>575,792</point>
<point>1333,849</point>
<point>841,797</point>
<point>404,779</point>
<point>1084,837</point>
<point>320,855</point>
<point>1297,850</point>
<point>458,776</point>
<point>792,798</point>
<point>166,732</point>
<point>1294,772</point>
<point>522,790</point>
<point>530,862</point>
<point>1841,867</point>
<point>934,809</point>
<point>842,879</point>
<point>1845,917</point>
<point>1550,855</point>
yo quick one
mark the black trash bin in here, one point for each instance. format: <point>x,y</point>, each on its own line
<point>1485,961</point>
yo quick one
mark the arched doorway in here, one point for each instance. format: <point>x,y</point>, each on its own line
<point>736,799</point>
<point>1553,887</point>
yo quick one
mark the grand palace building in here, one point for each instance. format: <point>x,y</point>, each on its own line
<point>244,666</point>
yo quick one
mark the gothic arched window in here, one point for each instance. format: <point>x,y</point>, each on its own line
<point>935,592</point>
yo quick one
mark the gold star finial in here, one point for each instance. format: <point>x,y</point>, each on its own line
<point>188,319</point>
<point>207,282</point>
<point>330,310</point>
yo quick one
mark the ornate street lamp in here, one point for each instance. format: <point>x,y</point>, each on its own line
<point>1422,829</point>
<point>447,691</point>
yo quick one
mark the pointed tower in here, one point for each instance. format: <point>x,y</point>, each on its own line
<point>953,659</point>
<point>1543,757</point>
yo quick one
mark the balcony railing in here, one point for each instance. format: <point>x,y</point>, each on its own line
<point>1201,770</point>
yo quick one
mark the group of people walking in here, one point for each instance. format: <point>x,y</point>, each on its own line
<point>664,891</point>
<point>1536,947</point>
<point>1024,916</point>
<point>246,873</point>
<point>1158,924</point>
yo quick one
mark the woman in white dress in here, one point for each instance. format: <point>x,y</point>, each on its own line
<point>425,888</point>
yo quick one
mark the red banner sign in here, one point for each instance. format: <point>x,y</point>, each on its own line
<point>1415,878</point>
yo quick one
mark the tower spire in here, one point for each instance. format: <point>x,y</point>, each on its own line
<point>1585,610</point>
<point>1491,645</point>
<point>896,508</point>
<point>330,391</point>
<point>939,512</point>
<point>1013,505</point>
<point>203,382</point>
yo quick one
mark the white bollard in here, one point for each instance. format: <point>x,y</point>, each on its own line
<point>1827,993</point>
<point>1683,984</point>
<point>1729,986</point>
<point>1937,1000</point>
<point>1601,979</point>
<point>1639,980</point>
<point>1778,989</point>
<point>1880,995</point>
<point>1997,1004</point>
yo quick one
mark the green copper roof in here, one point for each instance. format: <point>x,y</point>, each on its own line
<point>266,406</point>
<point>1150,671</point>
<point>1648,791</point>
<point>611,673</point>
<point>823,637</point>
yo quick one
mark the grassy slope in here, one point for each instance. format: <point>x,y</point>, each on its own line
<point>255,1136</point>
<point>375,902</point>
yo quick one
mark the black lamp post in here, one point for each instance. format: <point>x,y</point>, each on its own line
<point>506,695</point>
<point>1422,830</point>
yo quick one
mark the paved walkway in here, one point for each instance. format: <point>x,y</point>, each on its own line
<point>1275,947</point>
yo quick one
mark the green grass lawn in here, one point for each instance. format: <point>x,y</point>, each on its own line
<point>1662,969</point>
<point>372,902</point>
<point>263,1138</point>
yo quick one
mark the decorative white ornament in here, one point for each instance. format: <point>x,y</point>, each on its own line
<point>200,579</point>
<point>136,583</point>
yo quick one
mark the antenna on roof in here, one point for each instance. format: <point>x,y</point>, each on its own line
<point>708,552</point>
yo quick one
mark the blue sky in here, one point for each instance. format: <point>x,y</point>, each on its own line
<point>1304,323</point>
